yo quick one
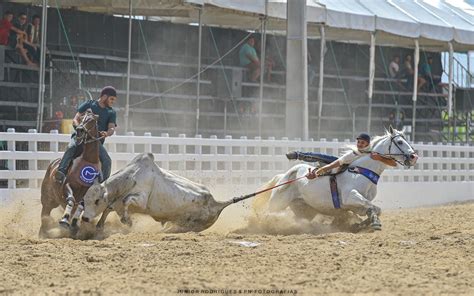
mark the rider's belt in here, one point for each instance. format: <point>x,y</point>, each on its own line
<point>334,192</point>
<point>372,176</point>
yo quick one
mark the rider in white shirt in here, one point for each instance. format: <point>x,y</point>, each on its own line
<point>363,147</point>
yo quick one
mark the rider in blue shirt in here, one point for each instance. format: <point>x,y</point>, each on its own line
<point>106,126</point>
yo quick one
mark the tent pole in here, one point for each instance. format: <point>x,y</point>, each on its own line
<point>321,77</point>
<point>415,88</point>
<point>198,86</point>
<point>262,67</point>
<point>129,62</point>
<point>296,113</point>
<point>450,88</point>
<point>371,78</point>
<point>44,27</point>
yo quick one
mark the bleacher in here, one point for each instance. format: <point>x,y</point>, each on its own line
<point>224,109</point>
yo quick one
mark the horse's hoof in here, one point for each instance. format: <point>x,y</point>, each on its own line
<point>126,221</point>
<point>64,224</point>
<point>376,226</point>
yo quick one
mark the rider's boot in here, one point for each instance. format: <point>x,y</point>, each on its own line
<point>292,155</point>
<point>59,177</point>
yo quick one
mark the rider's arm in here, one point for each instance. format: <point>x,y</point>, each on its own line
<point>110,129</point>
<point>77,119</point>
<point>385,160</point>
<point>328,167</point>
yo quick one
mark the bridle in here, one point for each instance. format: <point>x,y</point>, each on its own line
<point>87,135</point>
<point>390,155</point>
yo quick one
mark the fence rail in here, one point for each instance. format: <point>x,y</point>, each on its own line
<point>218,161</point>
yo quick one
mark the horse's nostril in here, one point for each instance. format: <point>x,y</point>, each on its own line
<point>412,156</point>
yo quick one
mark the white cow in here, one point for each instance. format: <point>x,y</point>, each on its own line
<point>143,187</point>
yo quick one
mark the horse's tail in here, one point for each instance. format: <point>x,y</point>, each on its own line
<point>261,200</point>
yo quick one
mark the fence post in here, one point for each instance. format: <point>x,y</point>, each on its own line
<point>165,150</point>
<point>147,147</point>
<point>243,163</point>
<point>130,144</point>
<point>285,164</point>
<point>429,154</point>
<point>323,148</point>
<point>213,148</point>
<point>228,162</point>
<point>54,144</point>
<point>11,162</point>
<point>271,152</point>
<point>32,163</point>
<point>182,154</point>
<point>457,162</point>
<point>198,160</point>
<point>112,149</point>
<point>258,162</point>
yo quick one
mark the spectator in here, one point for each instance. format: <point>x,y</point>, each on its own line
<point>34,36</point>
<point>69,107</point>
<point>5,27</point>
<point>409,72</point>
<point>269,61</point>
<point>427,74</point>
<point>394,67</point>
<point>311,69</point>
<point>17,37</point>
<point>248,58</point>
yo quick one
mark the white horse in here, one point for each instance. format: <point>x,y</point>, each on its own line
<point>307,197</point>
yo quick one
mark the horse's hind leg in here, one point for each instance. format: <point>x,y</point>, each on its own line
<point>45,214</point>
<point>302,209</point>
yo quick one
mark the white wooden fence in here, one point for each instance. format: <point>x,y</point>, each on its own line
<point>219,161</point>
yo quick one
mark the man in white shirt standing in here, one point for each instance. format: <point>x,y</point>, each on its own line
<point>394,67</point>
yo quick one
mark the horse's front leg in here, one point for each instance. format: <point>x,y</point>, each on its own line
<point>70,202</point>
<point>75,218</point>
<point>360,205</point>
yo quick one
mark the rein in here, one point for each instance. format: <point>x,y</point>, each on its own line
<point>87,131</point>
<point>389,154</point>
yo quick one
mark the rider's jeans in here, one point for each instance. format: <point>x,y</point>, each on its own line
<point>71,151</point>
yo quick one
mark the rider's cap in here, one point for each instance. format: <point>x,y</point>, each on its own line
<point>364,136</point>
<point>109,91</point>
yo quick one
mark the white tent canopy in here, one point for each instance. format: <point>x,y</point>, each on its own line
<point>396,22</point>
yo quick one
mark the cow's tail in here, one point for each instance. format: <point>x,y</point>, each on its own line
<point>260,201</point>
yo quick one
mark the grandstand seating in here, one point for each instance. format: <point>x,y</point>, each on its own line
<point>164,111</point>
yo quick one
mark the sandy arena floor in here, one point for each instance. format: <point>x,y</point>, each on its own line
<point>428,251</point>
